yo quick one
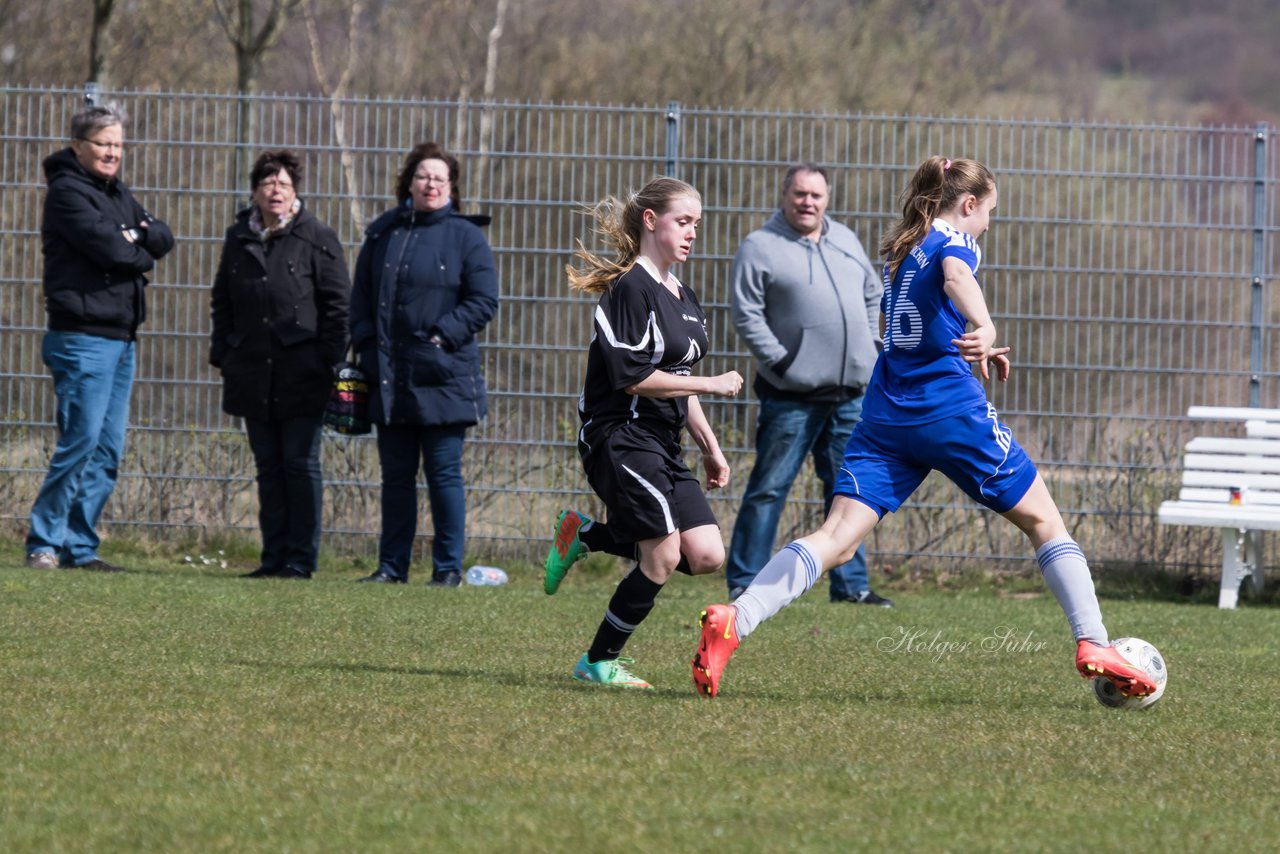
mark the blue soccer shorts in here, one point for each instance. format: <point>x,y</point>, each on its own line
<point>884,465</point>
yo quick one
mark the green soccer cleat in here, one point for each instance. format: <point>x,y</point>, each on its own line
<point>565,551</point>
<point>611,672</point>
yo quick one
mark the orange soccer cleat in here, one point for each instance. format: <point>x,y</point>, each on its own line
<point>1096,660</point>
<point>719,640</point>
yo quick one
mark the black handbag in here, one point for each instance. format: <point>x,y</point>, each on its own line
<point>347,410</point>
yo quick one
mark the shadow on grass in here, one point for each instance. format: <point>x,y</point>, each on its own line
<point>355,667</point>
<point>833,694</point>
<point>1157,584</point>
<point>515,680</point>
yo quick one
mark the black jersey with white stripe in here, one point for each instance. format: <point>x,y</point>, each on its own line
<point>640,327</point>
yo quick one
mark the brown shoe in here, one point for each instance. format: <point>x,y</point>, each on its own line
<point>42,560</point>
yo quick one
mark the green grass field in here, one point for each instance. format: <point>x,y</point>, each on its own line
<point>177,708</point>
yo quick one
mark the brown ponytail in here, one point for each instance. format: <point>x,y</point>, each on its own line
<point>936,186</point>
<point>621,223</point>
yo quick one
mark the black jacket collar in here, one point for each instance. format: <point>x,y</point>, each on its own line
<point>64,163</point>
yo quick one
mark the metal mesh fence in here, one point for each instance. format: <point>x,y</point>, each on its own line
<point>1128,266</point>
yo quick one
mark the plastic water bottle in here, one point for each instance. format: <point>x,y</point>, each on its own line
<point>486,576</point>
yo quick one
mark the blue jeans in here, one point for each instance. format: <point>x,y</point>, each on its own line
<point>290,490</point>
<point>400,447</point>
<point>92,378</point>
<point>787,432</point>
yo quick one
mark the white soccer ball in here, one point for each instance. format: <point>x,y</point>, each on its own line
<point>1140,654</point>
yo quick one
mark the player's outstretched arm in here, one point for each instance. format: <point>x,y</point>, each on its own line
<point>661,384</point>
<point>978,344</point>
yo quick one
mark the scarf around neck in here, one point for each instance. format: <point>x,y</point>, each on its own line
<point>267,232</point>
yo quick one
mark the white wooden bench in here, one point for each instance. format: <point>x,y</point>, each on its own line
<point>1232,485</point>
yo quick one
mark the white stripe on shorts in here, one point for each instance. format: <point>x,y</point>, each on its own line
<point>1004,439</point>
<point>661,499</point>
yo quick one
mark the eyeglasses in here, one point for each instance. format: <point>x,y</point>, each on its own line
<point>438,180</point>
<point>107,146</point>
<point>272,184</point>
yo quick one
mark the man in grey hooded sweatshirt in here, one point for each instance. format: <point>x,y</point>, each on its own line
<point>806,300</point>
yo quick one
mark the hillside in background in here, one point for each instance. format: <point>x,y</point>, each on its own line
<point>1184,61</point>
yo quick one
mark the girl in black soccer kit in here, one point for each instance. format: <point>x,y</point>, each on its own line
<point>639,393</point>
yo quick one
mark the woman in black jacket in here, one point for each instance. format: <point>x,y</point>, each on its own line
<point>425,285</point>
<point>280,304</point>
<point>99,245</point>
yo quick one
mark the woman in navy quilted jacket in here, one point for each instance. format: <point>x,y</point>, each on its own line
<point>425,286</point>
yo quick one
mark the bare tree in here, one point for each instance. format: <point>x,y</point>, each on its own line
<point>251,44</point>
<point>98,42</point>
<point>1003,57</point>
<point>490,86</point>
<point>464,19</point>
<point>335,91</point>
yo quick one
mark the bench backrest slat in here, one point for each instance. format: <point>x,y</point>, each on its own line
<point>1233,413</point>
<point>1230,463</point>
<point>1207,495</point>
<point>1262,429</point>
<point>1243,517</point>
<point>1228,480</point>
<point>1218,445</point>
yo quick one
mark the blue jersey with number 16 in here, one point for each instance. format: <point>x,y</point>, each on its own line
<point>920,376</point>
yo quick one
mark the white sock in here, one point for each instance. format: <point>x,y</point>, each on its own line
<point>1067,574</point>
<point>786,576</point>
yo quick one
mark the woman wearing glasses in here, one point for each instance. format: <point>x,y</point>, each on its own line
<point>99,244</point>
<point>425,285</point>
<point>279,327</point>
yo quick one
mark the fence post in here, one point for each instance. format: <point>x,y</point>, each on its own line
<point>1260,161</point>
<point>673,139</point>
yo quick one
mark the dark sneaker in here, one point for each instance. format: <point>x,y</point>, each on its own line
<point>98,565</point>
<point>452,578</point>
<point>382,577</point>
<point>42,560</point>
<point>866,597</point>
<point>263,572</point>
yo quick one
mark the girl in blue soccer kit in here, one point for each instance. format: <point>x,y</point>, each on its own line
<point>925,410</point>
<point>640,393</point>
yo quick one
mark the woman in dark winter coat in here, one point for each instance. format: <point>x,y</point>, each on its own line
<point>425,285</point>
<point>280,304</point>
<point>99,244</point>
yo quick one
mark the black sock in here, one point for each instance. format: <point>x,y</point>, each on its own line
<point>631,603</point>
<point>598,538</point>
